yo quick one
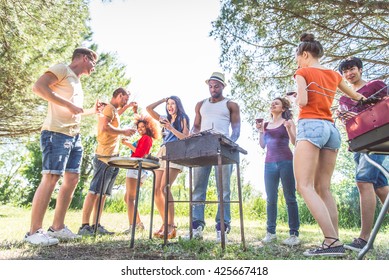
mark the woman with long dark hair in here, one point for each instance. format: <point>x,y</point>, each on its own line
<point>176,127</point>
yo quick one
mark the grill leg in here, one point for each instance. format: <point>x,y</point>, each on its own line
<point>240,207</point>
<point>166,218</point>
<point>221,202</point>
<point>136,205</point>
<point>152,206</point>
<point>190,203</point>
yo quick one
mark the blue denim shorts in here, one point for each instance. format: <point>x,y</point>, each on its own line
<point>97,179</point>
<point>366,172</point>
<point>321,133</point>
<point>60,153</point>
<point>132,173</point>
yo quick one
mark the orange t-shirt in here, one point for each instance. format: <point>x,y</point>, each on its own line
<point>108,144</point>
<point>319,98</point>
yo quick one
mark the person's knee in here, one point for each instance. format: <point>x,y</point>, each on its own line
<point>128,197</point>
<point>158,192</point>
<point>50,180</point>
<point>300,189</point>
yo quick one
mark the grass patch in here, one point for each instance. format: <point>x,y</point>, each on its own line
<point>14,223</point>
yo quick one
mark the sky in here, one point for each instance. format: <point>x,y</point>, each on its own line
<point>167,50</point>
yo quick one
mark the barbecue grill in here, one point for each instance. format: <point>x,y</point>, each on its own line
<point>203,149</point>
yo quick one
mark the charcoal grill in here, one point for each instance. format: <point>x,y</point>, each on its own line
<point>204,149</point>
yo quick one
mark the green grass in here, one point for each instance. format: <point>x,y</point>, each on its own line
<point>14,222</point>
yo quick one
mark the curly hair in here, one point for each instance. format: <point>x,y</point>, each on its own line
<point>152,126</point>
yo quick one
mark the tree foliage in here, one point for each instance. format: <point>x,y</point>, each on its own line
<point>258,40</point>
<point>34,35</point>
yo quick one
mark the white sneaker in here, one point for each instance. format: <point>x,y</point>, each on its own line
<point>64,234</point>
<point>197,233</point>
<point>292,241</point>
<point>219,236</point>
<point>40,238</point>
<point>269,237</point>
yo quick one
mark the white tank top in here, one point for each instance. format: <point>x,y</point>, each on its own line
<point>215,116</point>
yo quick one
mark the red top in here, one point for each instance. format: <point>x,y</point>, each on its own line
<point>143,147</point>
<point>319,99</point>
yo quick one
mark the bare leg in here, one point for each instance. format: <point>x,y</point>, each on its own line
<point>160,196</point>
<point>326,166</point>
<point>65,196</point>
<point>130,198</point>
<point>41,200</point>
<point>87,208</point>
<point>382,193</point>
<point>368,204</point>
<point>306,162</point>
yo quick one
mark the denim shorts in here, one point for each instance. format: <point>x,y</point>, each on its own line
<point>97,179</point>
<point>132,173</point>
<point>60,153</point>
<point>162,163</point>
<point>368,173</point>
<point>321,133</point>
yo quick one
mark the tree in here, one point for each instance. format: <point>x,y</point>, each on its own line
<point>258,40</point>
<point>34,35</point>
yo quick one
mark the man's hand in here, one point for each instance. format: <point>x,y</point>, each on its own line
<point>134,106</point>
<point>75,110</point>
<point>129,132</point>
<point>99,106</point>
<point>368,101</point>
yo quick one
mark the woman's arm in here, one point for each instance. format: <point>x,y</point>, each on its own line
<point>128,144</point>
<point>178,134</point>
<point>261,132</point>
<point>302,94</point>
<point>350,92</point>
<point>291,130</point>
<point>150,108</point>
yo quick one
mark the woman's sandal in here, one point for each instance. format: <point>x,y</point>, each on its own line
<point>171,234</point>
<point>327,250</point>
<point>159,232</point>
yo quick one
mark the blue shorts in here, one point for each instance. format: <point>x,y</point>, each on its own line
<point>60,153</point>
<point>321,133</point>
<point>366,172</point>
<point>132,173</point>
<point>97,179</point>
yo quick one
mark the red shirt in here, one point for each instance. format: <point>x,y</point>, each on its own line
<point>143,147</point>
